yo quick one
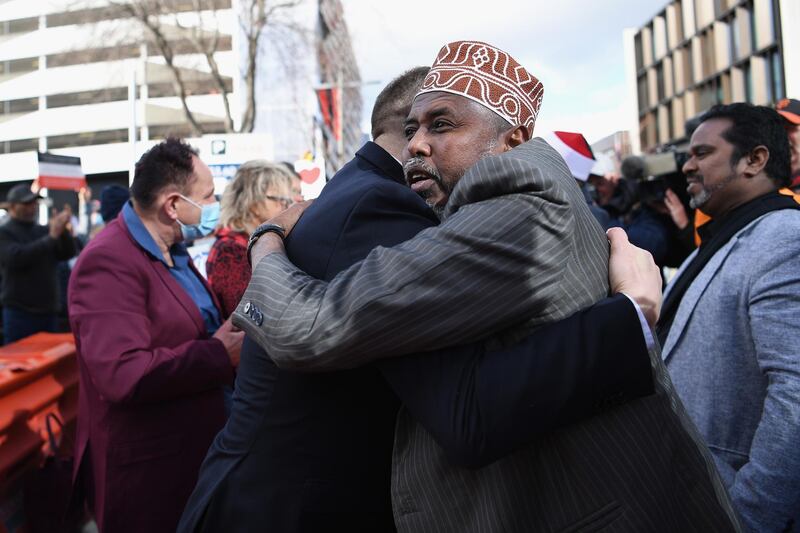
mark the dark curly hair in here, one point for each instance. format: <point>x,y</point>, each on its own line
<point>755,125</point>
<point>167,163</point>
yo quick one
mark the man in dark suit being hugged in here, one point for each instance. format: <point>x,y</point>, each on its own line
<point>517,249</point>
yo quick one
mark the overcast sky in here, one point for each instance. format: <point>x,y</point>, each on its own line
<point>573,46</point>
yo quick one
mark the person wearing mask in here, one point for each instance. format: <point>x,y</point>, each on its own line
<point>153,350</point>
<point>259,191</point>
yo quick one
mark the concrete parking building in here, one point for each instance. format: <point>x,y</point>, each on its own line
<point>66,76</point>
<point>84,78</point>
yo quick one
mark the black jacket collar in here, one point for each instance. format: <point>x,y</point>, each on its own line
<point>383,161</point>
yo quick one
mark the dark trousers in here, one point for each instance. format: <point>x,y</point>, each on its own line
<point>18,324</point>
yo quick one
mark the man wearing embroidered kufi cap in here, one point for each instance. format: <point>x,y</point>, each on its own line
<point>517,248</point>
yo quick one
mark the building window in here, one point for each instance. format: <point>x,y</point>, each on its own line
<point>776,67</point>
<point>85,16</point>
<point>748,83</point>
<point>87,138</point>
<point>688,66</point>
<point>183,130</point>
<point>707,95</point>
<point>185,46</point>
<point>194,87</point>
<point>26,25</point>
<point>93,55</point>
<point>679,21</point>
<point>707,53</point>
<point>660,81</point>
<point>19,66</point>
<point>641,86</point>
<point>637,46</point>
<point>87,97</point>
<point>19,145</point>
<point>22,105</point>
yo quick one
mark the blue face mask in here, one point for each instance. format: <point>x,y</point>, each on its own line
<point>209,216</point>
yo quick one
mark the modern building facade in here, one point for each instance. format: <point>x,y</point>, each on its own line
<point>697,53</point>
<point>82,78</point>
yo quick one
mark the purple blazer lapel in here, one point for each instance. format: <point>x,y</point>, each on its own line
<point>172,285</point>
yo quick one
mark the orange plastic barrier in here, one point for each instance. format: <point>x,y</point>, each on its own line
<point>38,375</point>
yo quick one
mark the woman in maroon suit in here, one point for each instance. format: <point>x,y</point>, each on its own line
<point>258,192</point>
<point>153,352</point>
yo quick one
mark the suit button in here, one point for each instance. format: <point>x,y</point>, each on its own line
<point>258,318</point>
<point>247,307</point>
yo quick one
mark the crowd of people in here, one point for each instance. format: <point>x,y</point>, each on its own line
<point>444,340</point>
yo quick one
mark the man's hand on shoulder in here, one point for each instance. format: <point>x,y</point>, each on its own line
<point>232,338</point>
<point>632,271</point>
<point>271,242</point>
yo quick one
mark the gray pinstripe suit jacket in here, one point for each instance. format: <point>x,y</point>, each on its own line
<point>518,248</point>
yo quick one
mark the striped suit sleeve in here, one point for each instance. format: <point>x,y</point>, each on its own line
<point>487,265</point>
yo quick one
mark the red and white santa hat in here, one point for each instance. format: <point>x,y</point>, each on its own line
<point>575,151</point>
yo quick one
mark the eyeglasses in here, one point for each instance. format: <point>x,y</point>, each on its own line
<point>285,201</point>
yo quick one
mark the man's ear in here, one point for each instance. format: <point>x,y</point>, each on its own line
<point>515,136</point>
<point>755,161</point>
<point>170,207</point>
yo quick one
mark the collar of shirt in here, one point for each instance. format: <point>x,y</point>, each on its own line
<point>145,240</point>
<point>711,228</point>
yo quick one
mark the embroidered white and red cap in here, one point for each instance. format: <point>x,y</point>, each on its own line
<point>489,76</point>
<point>575,151</point>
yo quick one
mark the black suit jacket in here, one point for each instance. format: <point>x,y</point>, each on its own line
<point>312,452</point>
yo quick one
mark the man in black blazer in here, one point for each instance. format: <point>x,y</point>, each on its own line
<point>312,452</point>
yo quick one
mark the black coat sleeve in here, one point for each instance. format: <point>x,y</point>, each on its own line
<point>480,405</point>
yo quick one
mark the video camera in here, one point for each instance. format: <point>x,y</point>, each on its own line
<point>655,173</point>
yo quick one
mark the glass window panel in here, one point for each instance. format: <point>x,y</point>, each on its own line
<point>777,77</point>
<point>10,27</point>
<point>19,145</point>
<point>87,97</point>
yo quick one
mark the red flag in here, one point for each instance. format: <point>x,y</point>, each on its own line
<point>329,107</point>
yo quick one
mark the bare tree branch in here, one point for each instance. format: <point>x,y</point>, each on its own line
<point>161,21</point>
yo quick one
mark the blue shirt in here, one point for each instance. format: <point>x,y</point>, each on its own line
<point>181,271</point>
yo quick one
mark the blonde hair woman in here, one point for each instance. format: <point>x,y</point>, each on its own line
<point>259,191</point>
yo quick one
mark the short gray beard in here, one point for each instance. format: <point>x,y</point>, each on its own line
<point>702,198</point>
<point>438,210</point>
